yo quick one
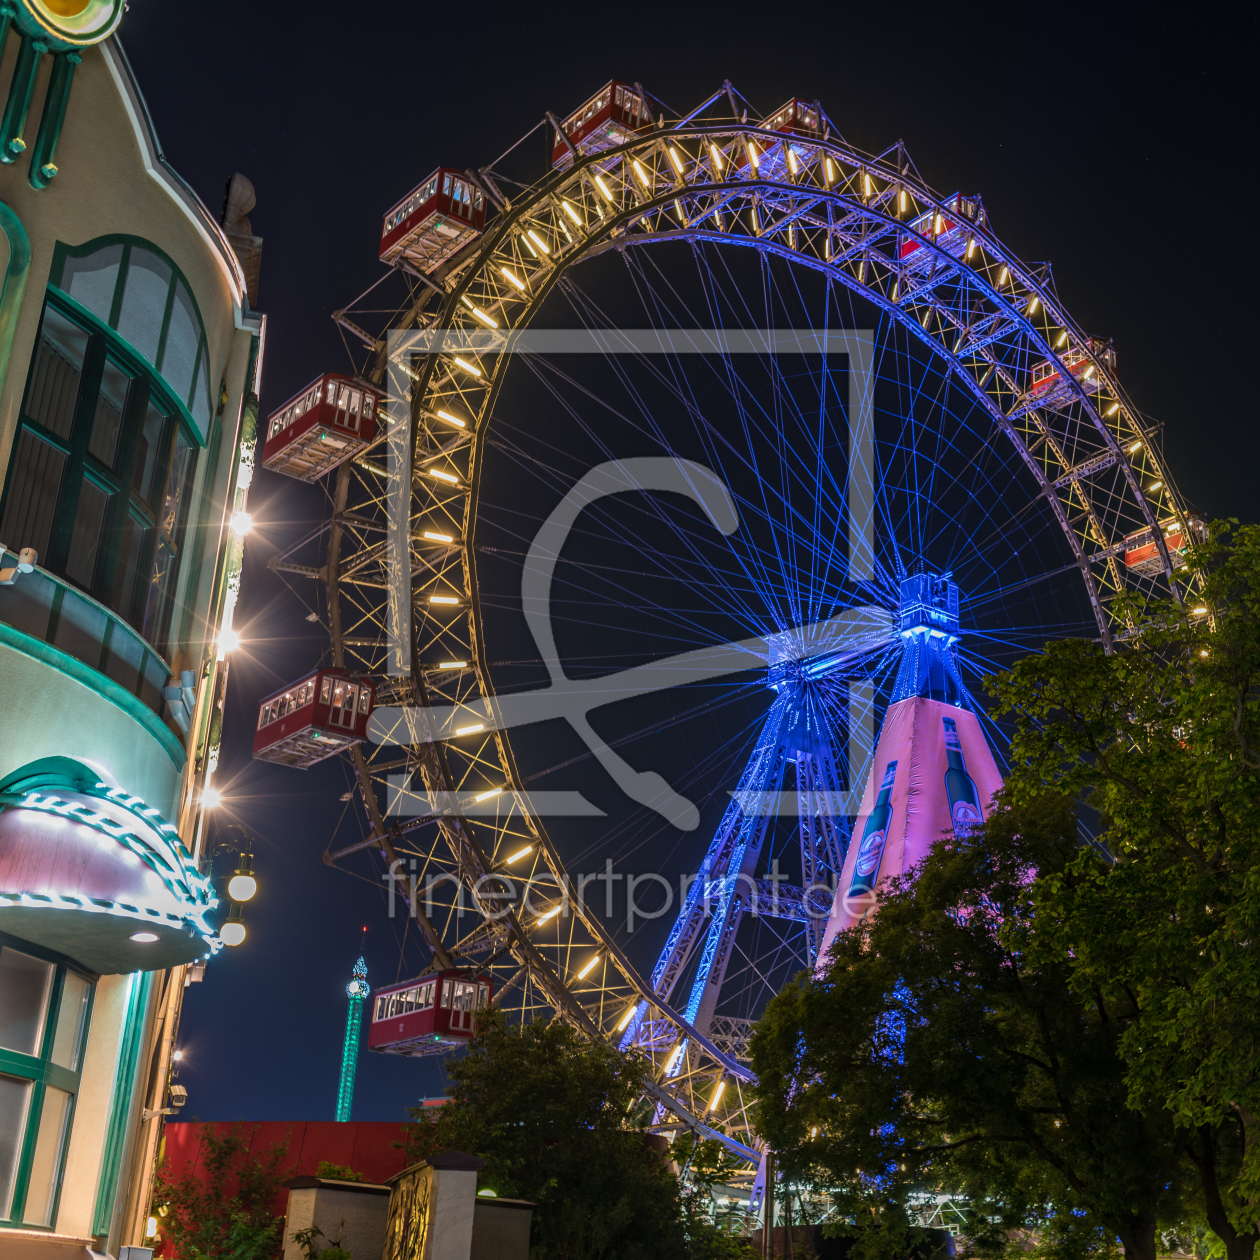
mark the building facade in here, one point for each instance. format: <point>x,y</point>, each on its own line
<point>129,369</point>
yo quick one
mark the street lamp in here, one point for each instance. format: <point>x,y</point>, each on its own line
<point>242,886</point>
<point>233,931</point>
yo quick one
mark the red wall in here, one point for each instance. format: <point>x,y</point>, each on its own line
<point>373,1149</point>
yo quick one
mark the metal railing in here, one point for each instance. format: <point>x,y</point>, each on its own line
<point>54,612</point>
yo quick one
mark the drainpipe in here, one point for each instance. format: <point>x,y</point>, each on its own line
<point>43,166</point>
<point>18,107</point>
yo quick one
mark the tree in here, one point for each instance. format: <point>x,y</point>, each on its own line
<point>546,1109</point>
<point>1161,737</point>
<point>936,1054</point>
<point>226,1212</point>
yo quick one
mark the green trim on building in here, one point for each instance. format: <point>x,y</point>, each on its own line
<point>13,288</point>
<point>105,687</point>
<point>139,987</point>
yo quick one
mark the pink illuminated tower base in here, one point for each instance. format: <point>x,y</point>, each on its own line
<point>933,774</point>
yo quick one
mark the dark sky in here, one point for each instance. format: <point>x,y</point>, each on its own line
<point>1114,140</point>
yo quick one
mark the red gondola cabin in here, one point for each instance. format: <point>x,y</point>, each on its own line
<point>313,719</point>
<point>1141,554</point>
<point>952,227</point>
<point>434,221</point>
<point>1048,385</point>
<point>796,118</point>
<point>614,115</point>
<point>429,1015</point>
<point>329,422</point>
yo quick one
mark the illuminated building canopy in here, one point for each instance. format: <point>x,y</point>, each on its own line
<point>93,872</point>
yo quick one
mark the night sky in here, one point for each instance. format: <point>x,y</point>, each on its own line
<point>1115,141</point>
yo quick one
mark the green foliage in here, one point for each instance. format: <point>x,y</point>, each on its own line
<point>547,1110</point>
<point>336,1172</point>
<point>937,1054</point>
<point>1162,738</point>
<point>225,1214</point>
<point>305,1238</point>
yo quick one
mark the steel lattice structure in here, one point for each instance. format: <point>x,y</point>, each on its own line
<point>716,177</point>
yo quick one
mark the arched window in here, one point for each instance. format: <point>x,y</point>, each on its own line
<point>135,289</point>
<point>117,402</point>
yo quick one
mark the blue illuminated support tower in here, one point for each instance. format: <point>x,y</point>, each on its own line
<point>357,991</point>
<point>811,726</point>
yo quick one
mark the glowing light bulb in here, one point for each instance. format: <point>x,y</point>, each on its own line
<point>241,524</point>
<point>520,853</point>
<point>211,798</point>
<point>232,933</point>
<point>590,966</point>
<point>229,640</point>
<point>242,886</point>
<point>717,1095</point>
<point>626,1018</point>
<point>450,419</point>
<point>470,368</point>
<point>144,938</point>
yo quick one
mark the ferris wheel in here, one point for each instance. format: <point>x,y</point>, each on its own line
<point>649,444</point>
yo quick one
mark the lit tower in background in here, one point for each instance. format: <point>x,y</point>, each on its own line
<point>357,991</point>
<point>933,771</point>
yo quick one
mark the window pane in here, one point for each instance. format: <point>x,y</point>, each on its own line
<point>144,301</point>
<point>85,539</point>
<point>15,1098</point>
<point>54,387</point>
<point>176,485</point>
<point>33,491</point>
<point>107,420</point>
<point>92,280</point>
<point>24,984</point>
<point>200,405</point>
<point>41,1190</point>
<point>121,597</point>
<point>149,444</point>
<point>179,357</point>
<point>70,1016</point>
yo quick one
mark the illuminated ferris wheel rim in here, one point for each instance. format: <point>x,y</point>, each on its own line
<point>1016,297</point>
<point>827,207</point>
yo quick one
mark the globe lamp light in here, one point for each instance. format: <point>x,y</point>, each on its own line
<point>241,524</point>
<point>242,886</point>
<point>233,931</point>
<point>211,798</point>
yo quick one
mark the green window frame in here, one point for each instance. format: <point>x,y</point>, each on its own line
<point>100,477</point>
<point>42,1087</point>
<point>109,276</point>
